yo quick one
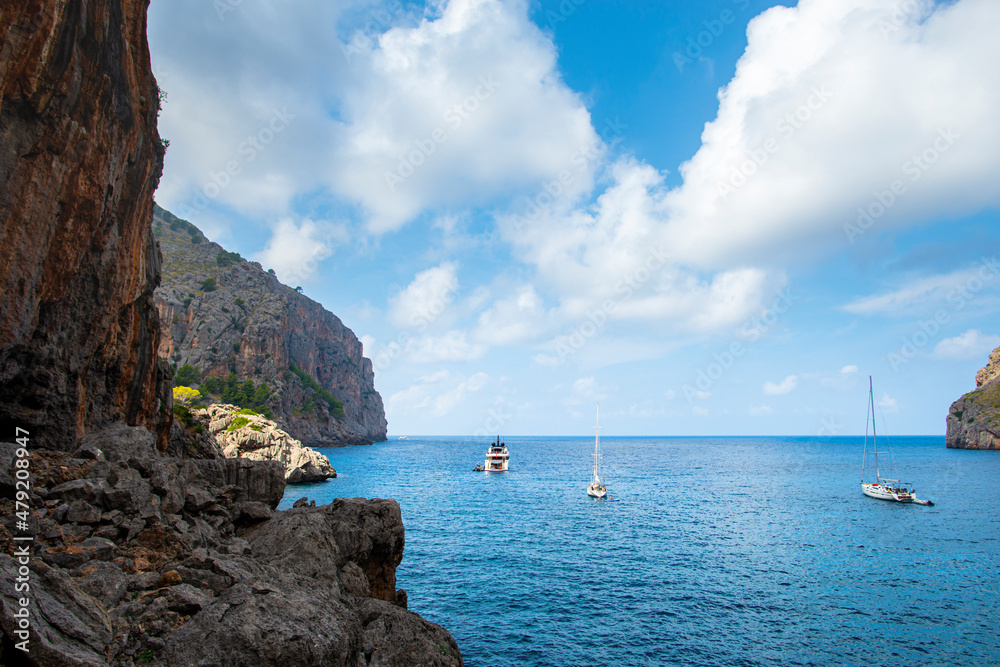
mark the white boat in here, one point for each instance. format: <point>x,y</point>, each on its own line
<point>597,488</point>
<point>497,457</point>
<point>884,488</point>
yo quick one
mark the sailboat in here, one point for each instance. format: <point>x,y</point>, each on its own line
<point>597,488</point>
<point>883,488</point>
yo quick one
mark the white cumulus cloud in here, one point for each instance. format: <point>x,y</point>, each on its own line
<point>972,344</point>
<point>426,298</point>
<point>786,386</point>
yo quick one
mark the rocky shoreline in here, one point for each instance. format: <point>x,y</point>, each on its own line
<point>144,558</point>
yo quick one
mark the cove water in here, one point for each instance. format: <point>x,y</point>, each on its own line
<point>715,552</point>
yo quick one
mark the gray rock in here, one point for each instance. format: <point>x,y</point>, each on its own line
<point>186,600</point>
<point>69,627</point>
<point>99,548</point>
<point>104,582</point>
<point>399,638</point>
<point>143,581</point>
<point>120,442</point>
<point>90,490</point>
<point>353,581</point>
<point>251,512</point>
<point>80,511</point>
<point>302,627</point>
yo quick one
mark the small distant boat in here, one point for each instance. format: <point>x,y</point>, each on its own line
<point>402,437</point>
<point>497,457</point>
<point>883,488</point>
<point>597,488</point>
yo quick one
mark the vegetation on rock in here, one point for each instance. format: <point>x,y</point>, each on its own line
<point>336,407</point>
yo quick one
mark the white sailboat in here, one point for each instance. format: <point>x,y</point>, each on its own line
<point>597,488</point>
<point>883,488</point>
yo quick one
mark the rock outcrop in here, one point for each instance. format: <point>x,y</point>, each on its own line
<point>80,158</point>
<point>974,420</point>
<point>141,558</point>
<point>259,439</point>
<point>243,320</point>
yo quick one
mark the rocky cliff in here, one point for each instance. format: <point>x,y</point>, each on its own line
<point>79,161</point>
<point>137,544</point>
<point>974,420</point>
<point>223,314</point>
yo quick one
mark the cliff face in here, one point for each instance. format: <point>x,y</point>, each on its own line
<point>249,323</point>
<point>974,420</point>
<point>80,158</point>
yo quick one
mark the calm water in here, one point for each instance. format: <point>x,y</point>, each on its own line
<point>718,551</point>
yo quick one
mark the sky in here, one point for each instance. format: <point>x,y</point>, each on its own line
<point>714,218</point>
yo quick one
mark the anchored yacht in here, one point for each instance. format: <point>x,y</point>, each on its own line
<point>497,457</point>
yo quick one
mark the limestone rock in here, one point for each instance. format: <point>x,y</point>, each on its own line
<point>991,370</point>
<point>80,158</point>
<point>974,420</point>
<point>250,323</point>
<point>260,439</point>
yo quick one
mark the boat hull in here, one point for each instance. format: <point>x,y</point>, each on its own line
<point>883,492</point>
<point>596,491</point>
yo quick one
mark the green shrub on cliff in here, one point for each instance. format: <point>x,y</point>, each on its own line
<point>237,423</point>
<point>225,258</point>
<point>184,416</point>
<point>246,394</point>
<point>336,407</point>
<point>187,376</point>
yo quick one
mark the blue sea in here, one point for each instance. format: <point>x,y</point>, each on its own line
<point>715,552</point>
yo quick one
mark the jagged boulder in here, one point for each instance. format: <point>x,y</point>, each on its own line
<point>974,420</point>
<point>252,436</point>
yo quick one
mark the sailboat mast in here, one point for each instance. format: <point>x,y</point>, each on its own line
<point>597,445</point>
<point>871,400</point>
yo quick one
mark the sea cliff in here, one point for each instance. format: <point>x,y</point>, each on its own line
<point>223,314</point>
<point>142,545</point>
<point>974,420</point>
